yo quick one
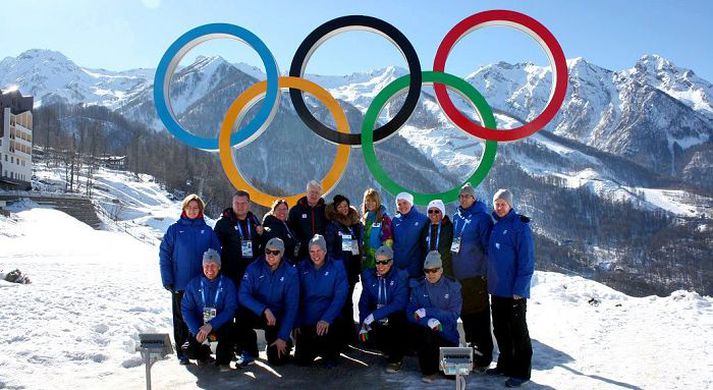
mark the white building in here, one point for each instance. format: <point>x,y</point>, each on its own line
<point>15,138</point>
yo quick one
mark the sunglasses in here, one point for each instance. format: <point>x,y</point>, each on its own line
<point>434,211</point>
<point>382,262</point>
<point>432,270</point>
<point>270,252</point>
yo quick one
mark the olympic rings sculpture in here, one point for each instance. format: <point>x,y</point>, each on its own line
<point>269,92</point>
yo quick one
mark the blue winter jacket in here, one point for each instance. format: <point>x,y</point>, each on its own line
<point>473,226</point>
<point>391,291</point>
<point>181,251</point>
<point>200,288</point>
<point>323,291</point>
<point>442,301</point>
<point>408,254</point>
<point>511,256</point>
<point>279,291</point>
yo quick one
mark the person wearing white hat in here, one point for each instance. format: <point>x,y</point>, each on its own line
<point>511,263</point>
<point>407,225</point>
<point>437,235</point>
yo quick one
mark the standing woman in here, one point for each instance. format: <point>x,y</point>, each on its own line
<point>344,238</point>
<point>181,259</point>
<point>437,235</point>
<point>377,226</point>
<point>275,226</point>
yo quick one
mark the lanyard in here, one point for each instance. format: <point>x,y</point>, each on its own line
<point>382,285</point>
<point>217,293</point>
<point>287,229</point>
<point>467,221</point>
<point>438,237</point>
<point>247,222</point>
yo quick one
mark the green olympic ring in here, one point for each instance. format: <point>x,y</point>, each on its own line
<point>398,85</point>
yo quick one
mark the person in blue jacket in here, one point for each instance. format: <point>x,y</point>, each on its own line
<point>407,225</point>
<point>472,225</point>
<point>511,263</point>
<point>382,308</point>
<point>433,309</point>
<point>323,291</point>
<point>180,260</point>
<point>208,306</point>
<point>269,300</point>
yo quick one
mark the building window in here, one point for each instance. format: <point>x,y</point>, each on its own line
<point>6,161</point>
<point>12,159</point>
<point>23,163</point>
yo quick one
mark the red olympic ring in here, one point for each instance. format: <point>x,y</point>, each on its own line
<point>527,25</point>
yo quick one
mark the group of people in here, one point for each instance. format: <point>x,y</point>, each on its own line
<point>294,274</point>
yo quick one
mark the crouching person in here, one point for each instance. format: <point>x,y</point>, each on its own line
<point>323,291</point>
<point>433,309</point>
<point>269,299</point>
<point>208,307</point>
<point>382,308</point>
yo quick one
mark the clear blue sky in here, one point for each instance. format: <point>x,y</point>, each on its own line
<point>120,35</point>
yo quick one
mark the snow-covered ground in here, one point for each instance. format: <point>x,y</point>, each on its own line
<point>93,292</point>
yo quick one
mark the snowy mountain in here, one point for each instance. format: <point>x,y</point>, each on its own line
<point>50,76</point>
<point>585,335</point>
<point>635,143</point>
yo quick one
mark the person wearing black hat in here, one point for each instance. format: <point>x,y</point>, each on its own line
<point>208,306</point>
<point>382,308</point>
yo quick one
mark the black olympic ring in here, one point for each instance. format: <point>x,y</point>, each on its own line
<point>350,23</point>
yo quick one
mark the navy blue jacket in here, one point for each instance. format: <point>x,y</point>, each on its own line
<point>473,225</point>
<point>511,256</point>
<point>408,254</point>
<point>394,293</point>
<point>181,251</point>
<point>323,291</point>
<point>442,301</point>
<point>279,291</point>
<point>193,304</point>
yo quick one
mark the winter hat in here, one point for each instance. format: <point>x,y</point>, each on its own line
<point>211,255</point>
<point>503,194</point>
<point>404,196</point>
<point>438,204</point>
<point>384,251</point>
<point>433,260</point>
<point>338,199</point>
<point>468,190</point>
<point>276,244</point>
<point>319,241</point>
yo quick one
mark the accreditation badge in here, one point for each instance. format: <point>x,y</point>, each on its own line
<point>455,245</point>
<point>208,314</point>
<point>246,248</point>
<point>347,242</point>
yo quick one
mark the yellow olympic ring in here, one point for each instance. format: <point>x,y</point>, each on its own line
<point>249,97</point>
